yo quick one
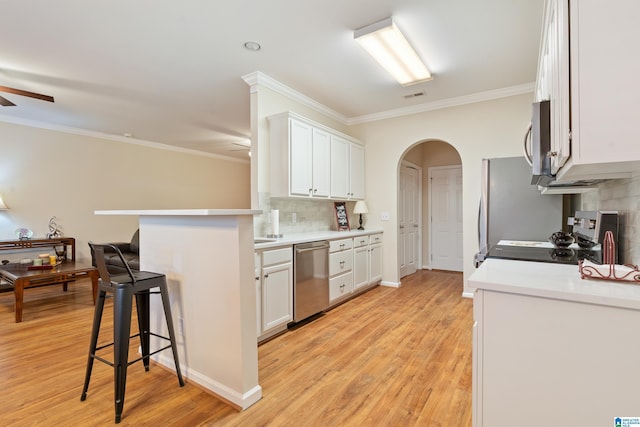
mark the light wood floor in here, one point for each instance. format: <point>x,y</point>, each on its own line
<point>390,357</point>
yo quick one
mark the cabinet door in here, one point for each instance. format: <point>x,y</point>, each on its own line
<point>356,171</point>
<point>375,263</point>
<point>558,32</point>
<point>339,168</point>
<point>277,298</point>
<point>258,283</point>
<point>340,286</point>
<point>360,267</point>
<point>604,84</point>
<point>301,146</point>
<point>321,163</point>
<point>552,81</point>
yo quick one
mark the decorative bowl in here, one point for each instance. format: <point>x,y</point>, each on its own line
<point>561,239</point>
<point>584,243</point>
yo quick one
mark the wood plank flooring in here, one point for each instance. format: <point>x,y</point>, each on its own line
<point>390,357</point>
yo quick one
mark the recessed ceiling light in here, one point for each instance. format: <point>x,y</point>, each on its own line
<point>252,46</point>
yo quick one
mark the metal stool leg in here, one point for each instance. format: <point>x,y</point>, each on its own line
<point>164,293</point>
<point>97,318</point>
<point>142,307</point>
<point>122,307</point>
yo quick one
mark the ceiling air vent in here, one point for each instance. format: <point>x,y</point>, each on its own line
<point>414,95</point>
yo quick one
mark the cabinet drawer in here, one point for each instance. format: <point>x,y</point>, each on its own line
<point>340,245</point>
<point>360,241</point>
<point>340,286</point>
<point>375,238</point>
<point>340,262</point>
<point>277,256</point>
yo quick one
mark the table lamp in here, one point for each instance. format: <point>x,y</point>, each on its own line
<point>360,208</point>
<point>3,207</point>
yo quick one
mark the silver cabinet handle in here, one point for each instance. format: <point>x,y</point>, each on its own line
<point>527,146</point>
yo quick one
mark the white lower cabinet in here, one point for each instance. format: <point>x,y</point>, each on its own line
<point>375,258</point>
<point>546,361</point>
<point>258,279</point>
<point>340,286</point>
<point>360,262</point>
<point>355,265</point>
<point>340,270</point>
<point>276,292</point>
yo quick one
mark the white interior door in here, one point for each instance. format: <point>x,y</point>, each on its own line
<point>409,219</point>
<point>445,206</point>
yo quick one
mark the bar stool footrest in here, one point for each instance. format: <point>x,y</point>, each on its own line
<point>110,363</point>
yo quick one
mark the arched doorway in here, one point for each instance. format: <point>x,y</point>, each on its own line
<point>429,168</point>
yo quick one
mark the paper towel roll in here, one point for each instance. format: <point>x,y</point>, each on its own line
<point>275,222</point>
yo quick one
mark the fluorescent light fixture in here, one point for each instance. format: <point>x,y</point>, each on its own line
<point>384,41</point>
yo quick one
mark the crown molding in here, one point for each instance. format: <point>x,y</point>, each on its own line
<point>111,137</point>
<point>258,78</point>
<point>444,103</point>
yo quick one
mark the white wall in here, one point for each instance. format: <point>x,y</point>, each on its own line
<point>45,173</point>
<point>481,130</point>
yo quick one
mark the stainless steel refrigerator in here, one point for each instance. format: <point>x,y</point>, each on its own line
<point>513,209</point>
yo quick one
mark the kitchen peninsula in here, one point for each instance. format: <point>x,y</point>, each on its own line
<point>207,256</point>
<point>550,348</point>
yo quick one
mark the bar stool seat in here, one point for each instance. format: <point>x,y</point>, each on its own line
<point>122,288</point>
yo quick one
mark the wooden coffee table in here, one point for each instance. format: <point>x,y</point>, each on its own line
<point>19,277</point>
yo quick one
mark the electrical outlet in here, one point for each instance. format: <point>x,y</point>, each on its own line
<point>384,216</point>
<point>294,217</point>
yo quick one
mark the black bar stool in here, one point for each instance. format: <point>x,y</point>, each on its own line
<point>123,287</point>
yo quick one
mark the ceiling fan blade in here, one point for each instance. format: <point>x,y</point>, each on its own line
<point>5,102</point>
<point>26,93</point>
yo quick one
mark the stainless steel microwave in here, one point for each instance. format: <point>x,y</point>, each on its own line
<point>540,151</point>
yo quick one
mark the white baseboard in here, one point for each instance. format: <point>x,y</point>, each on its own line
<point>390,284</point>
<point>242,400</point>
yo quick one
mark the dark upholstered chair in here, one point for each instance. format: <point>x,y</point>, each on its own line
<point>130,254</point>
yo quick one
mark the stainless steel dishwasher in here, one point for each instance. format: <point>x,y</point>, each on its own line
<point>311,279</point>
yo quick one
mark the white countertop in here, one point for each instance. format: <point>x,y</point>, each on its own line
<point>181,212</point>
<point>292,239</point>
<point>549,280</point>
<point>536,244</point>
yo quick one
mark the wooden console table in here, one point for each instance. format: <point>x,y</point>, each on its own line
<point>10,245</point>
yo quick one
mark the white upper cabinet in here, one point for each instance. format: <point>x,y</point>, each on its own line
<point>310,160</point>
<point>347,169</point>
<point>588,69</point>
<point>339,168</point>
<point>552,83</point>
<point>301,146</point>
<point>356,171</point>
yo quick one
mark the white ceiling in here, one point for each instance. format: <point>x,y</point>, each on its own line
<point>170,71</point>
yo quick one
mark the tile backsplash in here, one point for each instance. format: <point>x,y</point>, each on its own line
<point>622,195</point>
<point>311,215</point>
